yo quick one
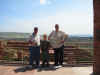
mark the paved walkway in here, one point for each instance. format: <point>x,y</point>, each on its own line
<point>11,70</point>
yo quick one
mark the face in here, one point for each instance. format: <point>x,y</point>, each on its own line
<point>35,30</point>
<point>45,37</point>
<point>57,27</point>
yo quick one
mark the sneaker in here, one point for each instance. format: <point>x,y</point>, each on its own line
<point>59,66</point>
<point>56,67</point>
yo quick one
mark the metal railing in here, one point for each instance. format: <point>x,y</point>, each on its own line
<point>87,46</point>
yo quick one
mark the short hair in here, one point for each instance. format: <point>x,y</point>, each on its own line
<point>56,25</point>
<point>44,35</point>
<point>35,28</point>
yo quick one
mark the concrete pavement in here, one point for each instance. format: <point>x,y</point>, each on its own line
<point>10,70</point>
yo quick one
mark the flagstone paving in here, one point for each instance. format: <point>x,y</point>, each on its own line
<point>11,70</point>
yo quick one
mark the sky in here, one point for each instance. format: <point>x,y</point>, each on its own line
<point>73,16</point>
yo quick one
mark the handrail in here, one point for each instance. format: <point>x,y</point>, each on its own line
<point>24,45</point>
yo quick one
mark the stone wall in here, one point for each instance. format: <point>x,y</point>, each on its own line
<point>96,68</point>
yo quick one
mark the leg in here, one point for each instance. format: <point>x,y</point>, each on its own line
<point>37,56</point>
<point>31,56</point>
<point>47,59</point>
<point>43,62</point>
<point>37,62</point>
<point>56,56</point>
<point>61,55</point>
<point>47,63</point>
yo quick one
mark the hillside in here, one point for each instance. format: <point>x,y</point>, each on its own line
<point>13,36</point>
<point>25,36</point>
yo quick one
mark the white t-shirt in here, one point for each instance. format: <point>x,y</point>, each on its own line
<point>35,39</point>
<point>56,38</point>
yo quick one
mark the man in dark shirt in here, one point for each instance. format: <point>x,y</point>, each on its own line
<point>45,50</point>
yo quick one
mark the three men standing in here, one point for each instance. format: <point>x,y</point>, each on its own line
<point>56,39</point>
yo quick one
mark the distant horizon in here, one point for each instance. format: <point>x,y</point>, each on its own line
<point>48,34</point>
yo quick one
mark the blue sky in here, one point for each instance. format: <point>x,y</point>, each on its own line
<point>73,16</point>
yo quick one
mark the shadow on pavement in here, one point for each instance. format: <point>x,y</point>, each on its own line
<point>23,69</point>
<point>39,69</point>
<point>50,68</point>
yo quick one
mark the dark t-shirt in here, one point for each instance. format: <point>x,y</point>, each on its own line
<point>45,49</point>
<point>45,45</point>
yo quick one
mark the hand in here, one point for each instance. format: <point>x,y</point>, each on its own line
<point>35,44</point>
<point>31,43</point>
<point>40,50</point>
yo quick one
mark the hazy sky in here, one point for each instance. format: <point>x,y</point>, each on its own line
<point>73,16</point>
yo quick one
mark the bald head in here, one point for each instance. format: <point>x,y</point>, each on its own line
<point>56,27</point>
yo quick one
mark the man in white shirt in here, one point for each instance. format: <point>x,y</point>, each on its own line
<point>57,39</point>
<point>34,49</point>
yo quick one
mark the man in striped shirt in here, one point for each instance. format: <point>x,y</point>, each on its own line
<point>57,39</point>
